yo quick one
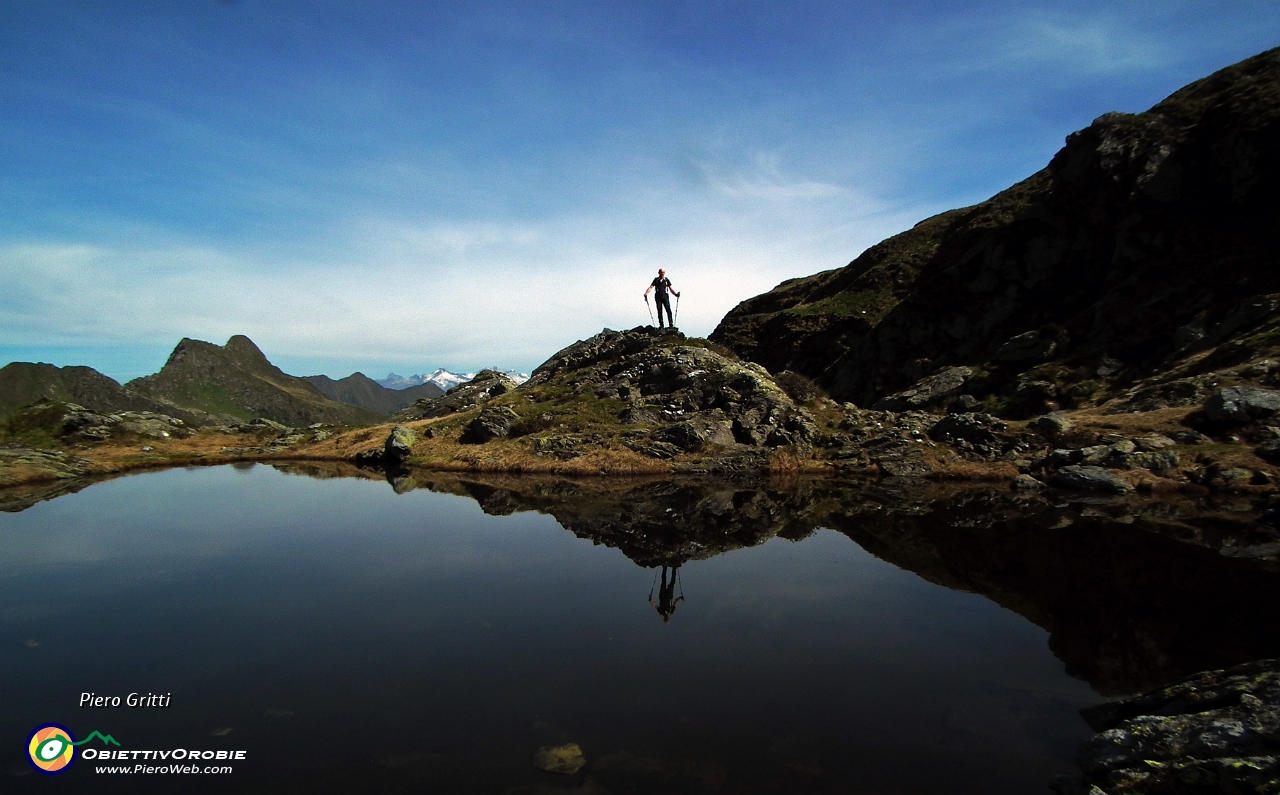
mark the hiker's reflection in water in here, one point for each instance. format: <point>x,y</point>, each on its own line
<point>667,599</point>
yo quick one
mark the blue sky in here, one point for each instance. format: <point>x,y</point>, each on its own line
<point>385,186</point>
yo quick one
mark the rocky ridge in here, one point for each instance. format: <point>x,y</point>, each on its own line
<point>1134,272</point>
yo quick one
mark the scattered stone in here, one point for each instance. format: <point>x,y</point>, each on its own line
<point>1154,461</point>
<point>493,422</point>
<point>566,759</point>
<point>972,428</point>
<point>1053,424</point>
<point>1191,437</point>
<point>1090,478</point>
<point>1150,444</point>
<point>1241,404</point>
<point>1269,451</point>
<point>1026,483</point>
<point>262,423</point>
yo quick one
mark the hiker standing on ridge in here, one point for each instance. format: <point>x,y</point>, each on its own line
<point>662,284</point>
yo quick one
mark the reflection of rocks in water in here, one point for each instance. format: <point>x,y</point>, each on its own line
<point>652,522</point>
<point>627,772</point>
<point>1127,607</point>
<point>1134,591</point>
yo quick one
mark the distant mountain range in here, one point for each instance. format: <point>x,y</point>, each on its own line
<point>207,384</point>
<point>359,389</point>
<point>442,378</point>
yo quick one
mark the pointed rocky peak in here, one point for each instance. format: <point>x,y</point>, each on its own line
<point>188,349</point>
<point>244,352</point>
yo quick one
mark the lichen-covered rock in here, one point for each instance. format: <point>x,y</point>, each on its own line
<point>1155,461</point>
<point>399,444</point>
<point>1216,731</point>
<point>1090,478</point>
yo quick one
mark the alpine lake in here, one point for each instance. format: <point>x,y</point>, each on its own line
<point>351,632</point>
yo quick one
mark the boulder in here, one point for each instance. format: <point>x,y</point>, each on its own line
<point>1026,483</point>
<point>1155,461</point>
<point>1052,424</point>
<point>1241,404</point>
<point>926,391</point>
<point>1269,451</point>
<point>1090,478</point>
<point>1150,444</point>
<point>399,444</point>
<point>493,422</point>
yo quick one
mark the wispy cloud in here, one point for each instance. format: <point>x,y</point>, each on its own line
<point>762,178</point>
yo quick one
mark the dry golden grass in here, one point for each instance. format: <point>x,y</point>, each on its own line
<point>974,471</point>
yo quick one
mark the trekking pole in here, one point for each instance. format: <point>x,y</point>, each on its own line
<point>646,306</point>
<point>677,317</point>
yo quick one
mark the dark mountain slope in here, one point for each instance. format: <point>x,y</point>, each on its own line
<point>1148,242</point>
<point>236,380</point>
<point>23,383</point>
<point>358,389</point>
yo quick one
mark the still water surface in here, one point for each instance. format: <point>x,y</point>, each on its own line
<point>351,639</point>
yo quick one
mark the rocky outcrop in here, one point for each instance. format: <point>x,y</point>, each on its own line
<point>18,464</point>
<point>236,381</point>
<point>695,394</point>
<point>487,385</point>
<point>71,423</point>
<point>1137,267</point>
<point>1216,731</point>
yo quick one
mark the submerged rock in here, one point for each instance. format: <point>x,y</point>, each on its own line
<point>566,759</point>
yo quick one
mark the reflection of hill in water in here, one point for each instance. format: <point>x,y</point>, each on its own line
<point>1134,592</point>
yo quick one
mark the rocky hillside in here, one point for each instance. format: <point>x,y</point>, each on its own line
<point>24,383</point>
<point>1137,267</point>
<point>360,390</point>
<point>236,381</point>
